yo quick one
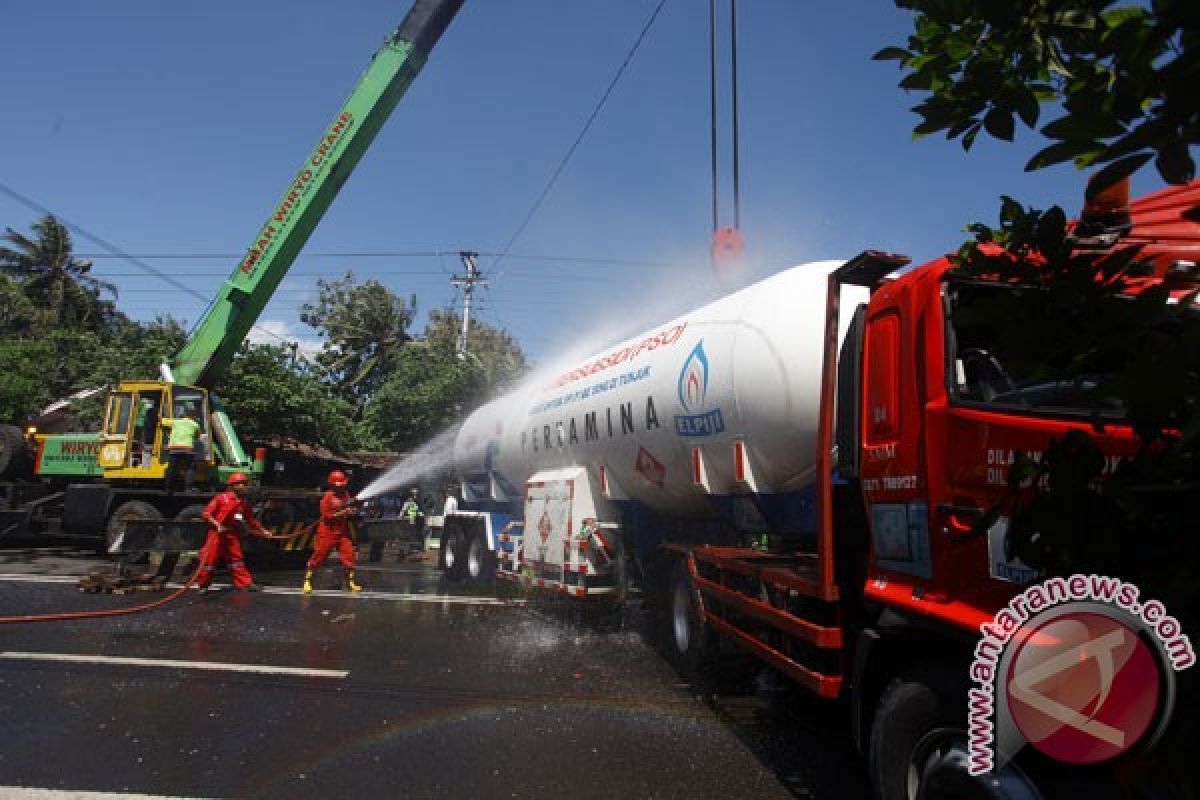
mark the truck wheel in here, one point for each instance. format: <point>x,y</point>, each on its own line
<point>480,562</point>
<point>620,571</point>
<point>165,563</point>
<point>12,451</point>
<point>453,555</point>
<point>114,531</point>
<point>918,746</point>
<point>693,644</point>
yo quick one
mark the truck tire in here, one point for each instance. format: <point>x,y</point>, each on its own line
<point>12,451</point>
<point>479,564</point>
<point>918,745</point>
<point>453,553</point>
<point>166,563</point>
<point>190,513</point>
<point>114,531</point>
<point>620,571</point>
<point>693,644</point>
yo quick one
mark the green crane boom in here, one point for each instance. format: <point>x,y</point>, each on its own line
<point>245,294</point>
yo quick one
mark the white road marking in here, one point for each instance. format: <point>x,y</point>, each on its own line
<point>22,793</point>
<point>169,663</point>
<point>450,599</point>
<point>22,577</point>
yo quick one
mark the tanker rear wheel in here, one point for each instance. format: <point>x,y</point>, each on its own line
<point>480,562</point>
<point>452,554</point>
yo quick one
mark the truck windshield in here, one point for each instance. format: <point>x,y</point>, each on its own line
<point>188,400</point>
<point>1028,349</point>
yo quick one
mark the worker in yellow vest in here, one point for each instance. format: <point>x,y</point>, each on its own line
<point>181,448</point>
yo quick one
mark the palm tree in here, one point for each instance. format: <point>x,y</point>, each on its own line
<point>53,278</point>
<point>365,327</point>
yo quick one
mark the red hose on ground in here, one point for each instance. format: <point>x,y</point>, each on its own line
<point>108,612</point>
<point>117,612</point>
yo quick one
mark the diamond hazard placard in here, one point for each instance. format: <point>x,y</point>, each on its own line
<point>650,467</point>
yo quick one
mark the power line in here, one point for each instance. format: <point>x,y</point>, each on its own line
<point>386,254</point>
<point>574,145</point>
<point>529,275</point>
<point>116,252</point>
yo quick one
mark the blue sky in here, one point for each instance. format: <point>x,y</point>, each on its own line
<point>173,128</point>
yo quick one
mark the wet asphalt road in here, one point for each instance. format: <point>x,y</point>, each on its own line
<point>447,691</point>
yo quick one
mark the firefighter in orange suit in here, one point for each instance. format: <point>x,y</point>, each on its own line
<point>225,514</point>
<point>333,530</point>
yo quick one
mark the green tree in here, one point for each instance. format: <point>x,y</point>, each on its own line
<point>54,279</point>
<point>271,396</point>
<point>364,326</point>
<point>493,351</point>
<point>427,390</point>
<point>18,315</point>
<point>1125,77</point>
<point>23,390</point>
<point>134,350</point>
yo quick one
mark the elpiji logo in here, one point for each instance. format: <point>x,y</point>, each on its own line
<point>1076,667</point>
<point>693,394</point>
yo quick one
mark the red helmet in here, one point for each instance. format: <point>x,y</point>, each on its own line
<point>337,478</point>
<point>238,477</point>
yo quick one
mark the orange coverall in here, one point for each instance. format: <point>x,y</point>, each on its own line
<point>333,531</point>
<point>225,508</point>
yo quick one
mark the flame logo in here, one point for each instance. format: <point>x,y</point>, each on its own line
<point>693,380</point>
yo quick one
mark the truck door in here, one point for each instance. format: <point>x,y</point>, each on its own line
<point>114,448</point>
<point>190,398</point>
<point>146,431</point>
<point>893,463</point>
<point>1008,399</point>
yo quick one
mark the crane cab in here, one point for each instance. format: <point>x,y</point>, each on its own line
<point>137,426</point>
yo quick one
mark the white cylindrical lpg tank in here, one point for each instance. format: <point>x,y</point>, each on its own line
<point>722,400</point>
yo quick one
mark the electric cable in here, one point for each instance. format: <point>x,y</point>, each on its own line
<point>116,252</point>
<point>537,204</point>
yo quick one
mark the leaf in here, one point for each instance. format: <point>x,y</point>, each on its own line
<point>891,54</point>
<point>1076,18</point>
<point>969,137</point>
<point>1027,106</point>
<point>1010,209</point>
<point>999,123</point>
<point>1119,16</point>
<point>916,80</point>
<point>1054,154</point>
<point>1115,171</point>
<point>1174,163</point>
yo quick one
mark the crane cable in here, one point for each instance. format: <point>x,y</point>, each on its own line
<point>727,242</point>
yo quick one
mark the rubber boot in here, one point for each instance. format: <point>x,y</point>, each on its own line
<point>308,581</point>
<point>350,584</point>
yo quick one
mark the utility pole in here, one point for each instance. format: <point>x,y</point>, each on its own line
<point>467,283</point>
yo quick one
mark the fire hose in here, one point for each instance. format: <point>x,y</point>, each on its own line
<point>162,601</point>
